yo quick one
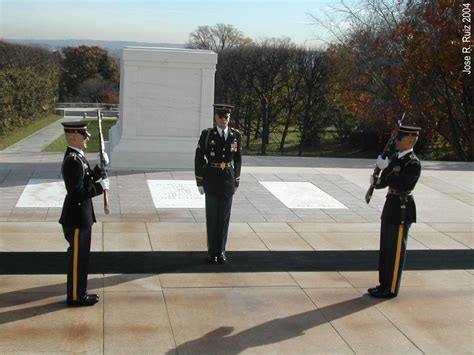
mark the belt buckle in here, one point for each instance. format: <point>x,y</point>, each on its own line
<point>222,165</point>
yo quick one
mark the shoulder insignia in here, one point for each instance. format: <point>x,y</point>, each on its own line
<point>411,159</point>
<point>235,130</point>
<point>73,155</point>
<point>76,157</point>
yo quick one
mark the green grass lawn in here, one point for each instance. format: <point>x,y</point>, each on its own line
<point>329,146</point>
<point>59,145</point>
<point>17,134</point>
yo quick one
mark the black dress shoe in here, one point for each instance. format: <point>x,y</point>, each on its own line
<point>374,289</point>
<point>93,295</point>
<point>221,259</point>
<point>212,259</point>
<point>383,294</point>
<point>84,301</point>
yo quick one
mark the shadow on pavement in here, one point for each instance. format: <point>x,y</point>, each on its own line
<point>156,262</point>
<point>33,294</point>
<point>274,331</point>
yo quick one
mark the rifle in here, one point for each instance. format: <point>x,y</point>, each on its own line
<point>386,150</point>
<point>102,162</point>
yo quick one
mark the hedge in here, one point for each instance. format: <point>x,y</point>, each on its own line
<point>29,80</point>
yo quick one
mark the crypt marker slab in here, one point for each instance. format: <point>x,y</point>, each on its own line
<point>175,194</point>
<point>301,195</point>
<point>42,193</point>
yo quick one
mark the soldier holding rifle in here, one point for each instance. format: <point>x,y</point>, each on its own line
<point>82,183</point>
<point>400,173</point>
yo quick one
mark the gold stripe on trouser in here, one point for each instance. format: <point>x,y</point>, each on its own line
<point>74,266</point>
<point>397,259</point>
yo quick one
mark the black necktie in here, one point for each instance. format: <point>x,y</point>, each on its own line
<point>223,135</point>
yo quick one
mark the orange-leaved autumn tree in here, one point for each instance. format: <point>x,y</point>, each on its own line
<point>405,56</point>
<point>439,90</point>
<point>86,62</point>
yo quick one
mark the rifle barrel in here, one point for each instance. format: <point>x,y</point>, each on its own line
<point>386,149</point>
<point>102,160</point>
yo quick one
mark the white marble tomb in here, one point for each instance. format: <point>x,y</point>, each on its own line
<point>42,193</point>
<point>175,194</point>
<point>301,195</point>
<point>166,97</point>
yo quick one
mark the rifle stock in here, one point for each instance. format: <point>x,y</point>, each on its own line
<point>370,191</point>
<point>386,150</point>
<point>102,160</point>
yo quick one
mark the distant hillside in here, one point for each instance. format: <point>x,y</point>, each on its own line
<point>113,47</point>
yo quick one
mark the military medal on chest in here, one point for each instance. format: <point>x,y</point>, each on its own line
<point>234,146</point>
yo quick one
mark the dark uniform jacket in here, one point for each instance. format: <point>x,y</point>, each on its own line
<point>81,185</point>
<point>213,150</point>
<point>400,176</point>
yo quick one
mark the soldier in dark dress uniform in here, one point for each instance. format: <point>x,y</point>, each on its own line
<point>217,165</point>
<point>400,174</point>
<point>82,183</point>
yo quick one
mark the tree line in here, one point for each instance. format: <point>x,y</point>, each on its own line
<point>29,79</point>
<point>33,79</point>
<point>406,56</point>
<point>276,86</point>
<point>395,57</point>
<point>89,74</point>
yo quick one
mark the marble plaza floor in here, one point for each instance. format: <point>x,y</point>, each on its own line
<point>296,282</point>
<point>271,313</point>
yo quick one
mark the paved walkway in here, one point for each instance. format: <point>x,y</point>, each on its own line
<point>38,140</point>
<point>238,308</point>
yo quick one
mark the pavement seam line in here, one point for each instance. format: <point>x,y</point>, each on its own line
<point>148,235</point>
<point>328,321</point>
<point>383,315</point>
<point>396,327</point>
<point>169,318</point>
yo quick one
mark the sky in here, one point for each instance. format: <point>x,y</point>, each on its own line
<point>162,21</point>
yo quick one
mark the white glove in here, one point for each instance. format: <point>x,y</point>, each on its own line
<point>105,183</point>
<point>106,158</point>
<point>201,190</point>
<point>382,163</point>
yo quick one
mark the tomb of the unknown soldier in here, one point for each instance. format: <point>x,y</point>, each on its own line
<point>166,97</point>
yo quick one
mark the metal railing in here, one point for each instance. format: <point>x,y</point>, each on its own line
<point>86,109</point>
<point>86,105</point>
<point>88,114</point>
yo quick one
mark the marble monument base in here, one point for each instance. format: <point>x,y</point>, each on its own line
<point>153,153</point>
